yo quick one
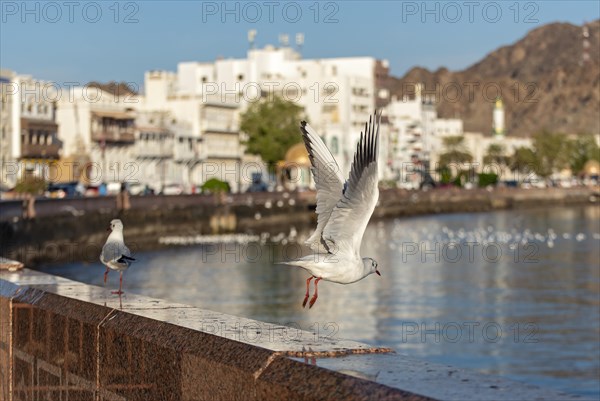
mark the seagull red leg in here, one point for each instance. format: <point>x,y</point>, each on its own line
<point>120,284</point>
<point>105,275</point>
<point>316,295</point>
<point>307,293</point>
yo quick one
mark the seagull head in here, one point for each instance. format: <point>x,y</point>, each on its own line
<point>115,225</point>
<point>371,266</point>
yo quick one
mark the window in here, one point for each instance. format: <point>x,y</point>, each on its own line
<point>334,145</point>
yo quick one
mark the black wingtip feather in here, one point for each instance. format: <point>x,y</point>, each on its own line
<point>307,141</point>
<point>368,144</point>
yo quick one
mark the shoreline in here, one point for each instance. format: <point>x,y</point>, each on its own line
<point>79,233</point>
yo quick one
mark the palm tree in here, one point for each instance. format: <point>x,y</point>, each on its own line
<point>495,155</point>
<point>455,152</point>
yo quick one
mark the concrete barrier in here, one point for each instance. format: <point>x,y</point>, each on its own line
<point>64,340</point>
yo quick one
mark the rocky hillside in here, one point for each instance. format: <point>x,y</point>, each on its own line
<point>543,81</point>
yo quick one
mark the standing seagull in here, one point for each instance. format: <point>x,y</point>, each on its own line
<point>343,210</point>
<point>115,255</point>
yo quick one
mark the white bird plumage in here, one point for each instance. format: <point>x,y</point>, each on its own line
<point>115,254</point>
<point>343,209</point>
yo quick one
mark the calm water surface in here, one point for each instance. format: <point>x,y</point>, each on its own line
<point>514,293</point>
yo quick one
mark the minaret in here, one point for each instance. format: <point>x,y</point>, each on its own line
<point>251,38</point>
<point>498,123</point>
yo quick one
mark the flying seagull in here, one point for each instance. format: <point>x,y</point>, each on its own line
<point>343,210</point>
<point>115,255</point>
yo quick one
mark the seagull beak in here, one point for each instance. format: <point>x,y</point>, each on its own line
<point>377,271</point>
<point>108,229</point>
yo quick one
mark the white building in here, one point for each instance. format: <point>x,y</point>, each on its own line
<point>337,94</point>
<point>416,134</point>
<point>98,132</point>
<point>28,129</point>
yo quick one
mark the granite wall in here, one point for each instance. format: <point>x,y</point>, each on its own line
<point>64,340</point>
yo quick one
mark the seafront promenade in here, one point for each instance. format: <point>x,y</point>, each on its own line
<point>75,229</point>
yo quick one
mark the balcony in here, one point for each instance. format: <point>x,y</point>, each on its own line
<point>113,127</point>
<point>39,151</point>
<point>219,146</point>
<point>154,150</point>
<point>186,149</point>
<point>221,127</point>
<point>114,135</point>
<point>154,143</point>
<point>38,139</point>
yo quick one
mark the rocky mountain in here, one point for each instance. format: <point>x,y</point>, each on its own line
<point>543,80</point>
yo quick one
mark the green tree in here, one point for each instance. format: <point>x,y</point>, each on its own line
<point>495,155</point>
<point>455,151</point>
<point>551,151</point>
<point>582,149</point>
<point>272,128</point>
<point>215,185</point>
<point>32,185</point>
<point>523,160</point>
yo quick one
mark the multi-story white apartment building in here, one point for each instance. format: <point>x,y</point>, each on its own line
<point>337,94</point>
<point>98,132</point>
<point>208,142</point>
<point>28,130</point>
<point>416,133</point>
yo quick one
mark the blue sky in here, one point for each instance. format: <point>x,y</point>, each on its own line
<point>109,40</point>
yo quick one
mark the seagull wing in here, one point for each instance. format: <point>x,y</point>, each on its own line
<point>328,180</point>
<point>113,251</point>
<point>350,216</point>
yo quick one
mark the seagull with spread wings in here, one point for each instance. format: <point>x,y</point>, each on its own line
<point>115,255</point>
<point>343,210</point>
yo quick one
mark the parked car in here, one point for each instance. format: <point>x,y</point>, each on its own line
<point>534,183</point>
<point>172,189</point>
<point>136,188</point>
<point>139,189</point>
<point>113,188</point>
<point>65,190</point>
<point>258,185</point>
<point>92,190</point>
